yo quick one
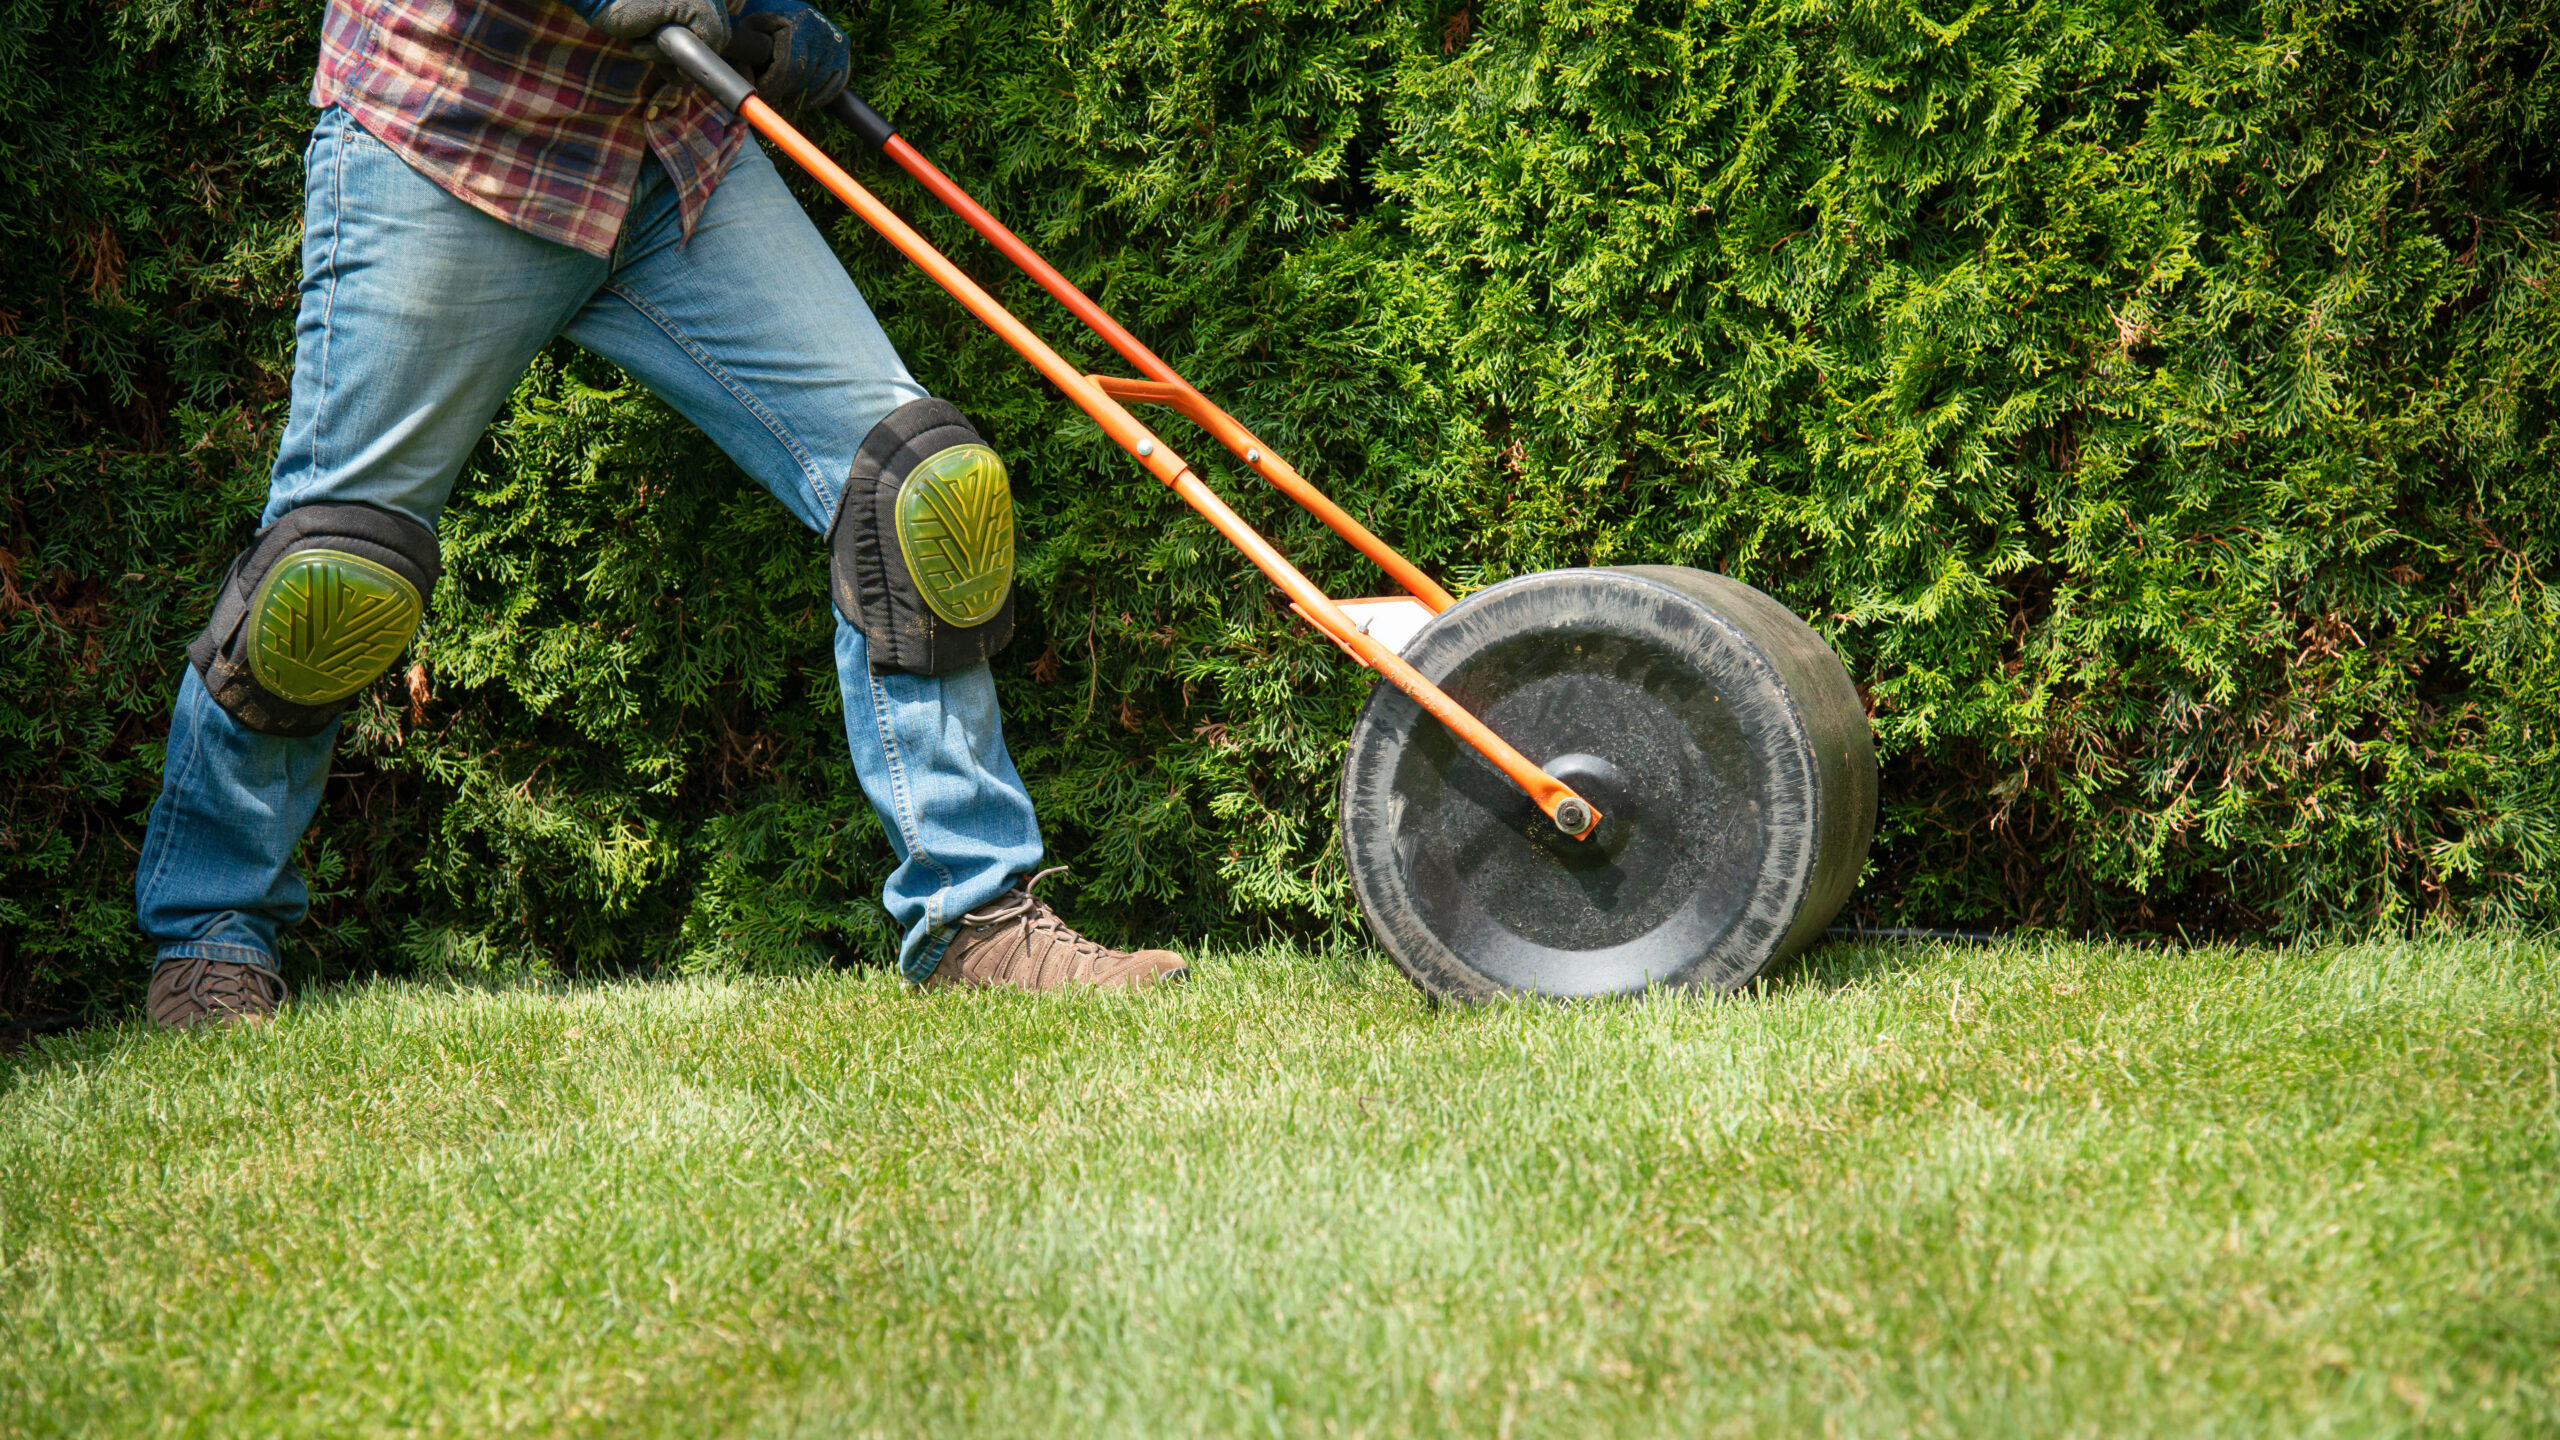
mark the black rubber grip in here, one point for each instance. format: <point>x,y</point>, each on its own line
<point>687,53</point>
<point>862,120</point>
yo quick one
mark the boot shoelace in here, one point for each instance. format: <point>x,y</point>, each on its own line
<point>200,985</point>
<point>1038,920</point>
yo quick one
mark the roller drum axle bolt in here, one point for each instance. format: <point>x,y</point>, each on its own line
<point>1572,816</point>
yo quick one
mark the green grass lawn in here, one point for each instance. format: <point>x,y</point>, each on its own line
<point>2042,1189</point>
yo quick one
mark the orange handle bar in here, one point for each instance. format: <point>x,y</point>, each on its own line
<point>1164,387</point>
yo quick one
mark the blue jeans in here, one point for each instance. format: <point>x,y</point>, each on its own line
<point>418,315</point>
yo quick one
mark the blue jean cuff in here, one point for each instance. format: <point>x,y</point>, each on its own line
<point>217,950</point>
<point>919,967</point>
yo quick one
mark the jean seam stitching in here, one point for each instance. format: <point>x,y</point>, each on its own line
<point>824,493</point>
<point>329,301</point>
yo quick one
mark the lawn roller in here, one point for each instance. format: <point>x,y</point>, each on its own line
<point>1706,781</point>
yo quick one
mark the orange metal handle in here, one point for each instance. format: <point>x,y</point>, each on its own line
<point>1194,406</point>
<point>1164,387</point>
<point>1118,423</point>
<point>1010,245</point>
<point>1553,796</point>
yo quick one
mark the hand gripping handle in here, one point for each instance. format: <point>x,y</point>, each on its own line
<point>687,53</point>
<point>685,50</point>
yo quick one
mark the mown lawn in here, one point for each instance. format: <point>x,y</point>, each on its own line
<point>2036,1189</point>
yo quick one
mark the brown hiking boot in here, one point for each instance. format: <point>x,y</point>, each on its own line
<point>194,990</point>
<point>1017,940</point>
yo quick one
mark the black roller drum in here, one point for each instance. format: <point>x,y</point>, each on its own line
<point>1720,738</point>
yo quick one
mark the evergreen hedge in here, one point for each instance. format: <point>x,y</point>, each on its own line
<point>2153,403</point>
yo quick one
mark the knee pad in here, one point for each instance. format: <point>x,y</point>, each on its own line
<point>317,608</point>
<point>920,556</point>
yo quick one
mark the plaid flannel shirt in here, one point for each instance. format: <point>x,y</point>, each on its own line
<point>523,109</point>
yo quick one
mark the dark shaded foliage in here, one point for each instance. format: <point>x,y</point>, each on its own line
<point>2153,402</point>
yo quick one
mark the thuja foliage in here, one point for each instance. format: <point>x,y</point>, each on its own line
<point>2152,402</point>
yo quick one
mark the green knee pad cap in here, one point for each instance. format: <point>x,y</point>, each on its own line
<point>921,551</point>
<point>317,608</point>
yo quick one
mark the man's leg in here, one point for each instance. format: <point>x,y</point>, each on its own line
<point>417,316</point>
<point>753,331</point>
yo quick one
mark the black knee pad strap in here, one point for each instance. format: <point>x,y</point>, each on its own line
<point>317,608</point>
<point>921,551</point>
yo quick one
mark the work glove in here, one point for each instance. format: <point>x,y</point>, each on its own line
<point>795,55</point>
<point>640,19</point>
